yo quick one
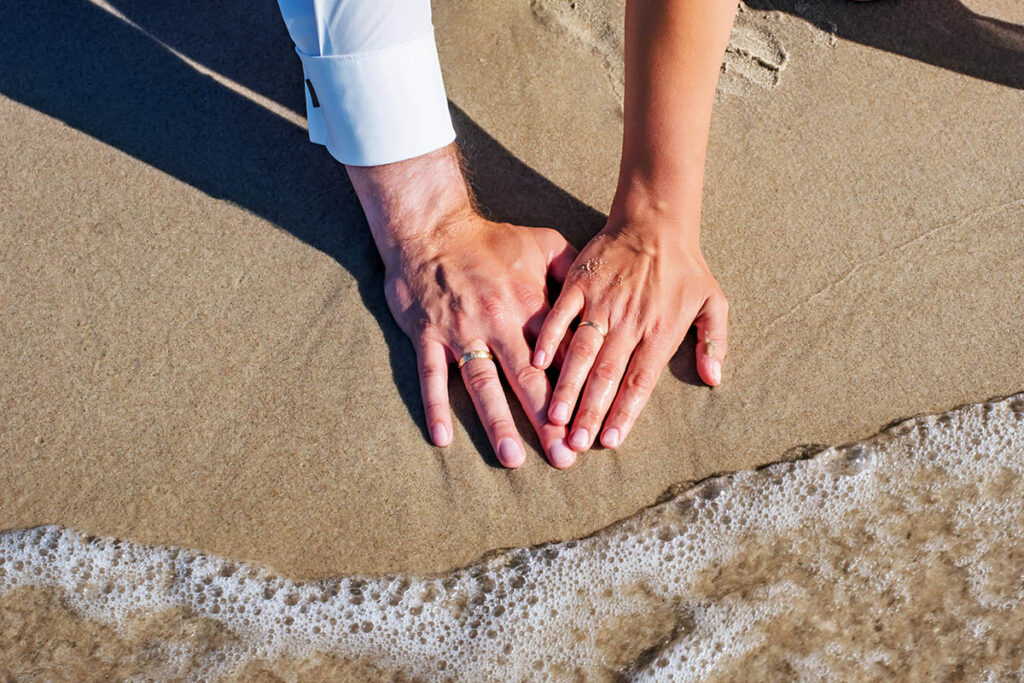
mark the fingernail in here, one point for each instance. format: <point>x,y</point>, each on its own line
<point>510,453</point>
<point>439,433</point>
<point>560,413</point>
<point>539,357</point>
<point>611,438</point>
<point>716,371</point>
<point>580,439</point>
<point>561,455</point>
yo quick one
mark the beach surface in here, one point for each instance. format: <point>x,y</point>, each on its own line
<point>197,352</point>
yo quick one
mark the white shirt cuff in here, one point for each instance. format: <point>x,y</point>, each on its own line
<point>374,108</point>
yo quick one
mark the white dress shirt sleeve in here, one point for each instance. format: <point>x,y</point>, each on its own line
<point>374,93</point>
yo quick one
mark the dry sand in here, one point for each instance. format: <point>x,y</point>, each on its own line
<point>196,348</point>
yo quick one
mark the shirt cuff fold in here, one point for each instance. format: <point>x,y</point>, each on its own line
<point>378,107</point>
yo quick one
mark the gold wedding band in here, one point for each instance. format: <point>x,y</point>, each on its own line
<point>474,355</point>
<point>596,326</point>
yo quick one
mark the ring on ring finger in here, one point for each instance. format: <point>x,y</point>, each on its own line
<point>579,357</point>
<point>597,326</point>
<point>474,355</point>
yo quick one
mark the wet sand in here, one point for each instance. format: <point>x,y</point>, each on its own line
<point>897,557</point>
<point>198,353</point>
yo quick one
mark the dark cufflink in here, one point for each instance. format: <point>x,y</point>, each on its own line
<point>312,94</point>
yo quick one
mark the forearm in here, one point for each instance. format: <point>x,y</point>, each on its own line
<point>674,51</point>
<point>408,204</point>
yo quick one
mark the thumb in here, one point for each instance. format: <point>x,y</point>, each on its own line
<point>558,253</point>
<point>712,338</point>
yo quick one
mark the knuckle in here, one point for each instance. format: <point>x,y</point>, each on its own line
<point>588,417</point>
<point>478,379</point>
<point>492,308</point>
<point>552,234</point>
<point>464,327</point>
<point>568,387</point>
<point>607,371</point>
<point>567,394</point>
<point>499,426</point>
<point>420,329</point>
<point>661,328</point>
<point>621,417</point>
<point>642,381</point>
<point>430,372</point>
<point>529,297</point>
<point>584,347</point>
<point>632,311</point>
<point>529,376</point>
<point>434,409</point>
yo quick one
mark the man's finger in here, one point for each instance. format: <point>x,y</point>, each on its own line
<point>567,307</point>
<point>531,386</point>
<point>560,254</point>
<point>432,367</point>
<point>602,385</point>
<point>641,376</point>
<point>712,339</point>
<point>481,378</point>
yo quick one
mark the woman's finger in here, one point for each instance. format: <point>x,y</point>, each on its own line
<point>533,326</point>
<point>602,385</point>
<point>534,323</point>
<point>583,349</point>
<point>531,386</point>
<point>432,366</point>
<point>481,378</point>
<point>712,339</point>
<point>641,376</point>
<point>567,307</point>
<point>563,348</point>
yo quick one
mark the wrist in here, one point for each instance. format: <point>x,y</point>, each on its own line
<point>668,210</point>
<point>410,204</point>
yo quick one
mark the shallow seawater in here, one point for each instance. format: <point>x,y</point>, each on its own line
<point>901,556</point>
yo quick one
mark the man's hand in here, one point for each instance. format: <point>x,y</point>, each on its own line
<point>456,282</point>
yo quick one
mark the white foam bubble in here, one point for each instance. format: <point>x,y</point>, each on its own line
<point>784,564</point>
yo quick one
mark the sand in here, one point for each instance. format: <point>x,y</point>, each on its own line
<point>896,558</point>
<point>197,351</point>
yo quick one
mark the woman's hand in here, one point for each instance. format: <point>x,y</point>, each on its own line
<point>474,285</point>
<point>645,284</point>
<point>643,279</point>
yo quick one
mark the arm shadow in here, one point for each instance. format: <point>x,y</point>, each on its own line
<point>78,63</point>
<point>944,33</point>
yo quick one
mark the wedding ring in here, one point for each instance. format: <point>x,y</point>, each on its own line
<point>474,355</point>
<point>596,326</point>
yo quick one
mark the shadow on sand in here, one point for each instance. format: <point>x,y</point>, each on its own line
<point>74,61</point>
<point>78,63</point>
<point>944,33</point>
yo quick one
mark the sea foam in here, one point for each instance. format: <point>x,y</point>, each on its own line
<point>896,556</point>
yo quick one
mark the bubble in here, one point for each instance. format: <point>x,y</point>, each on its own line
<point>853,461</point>
<point>687,590</point>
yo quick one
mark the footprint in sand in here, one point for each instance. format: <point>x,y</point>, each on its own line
<point>753,62</point>
<point>754,59</point>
